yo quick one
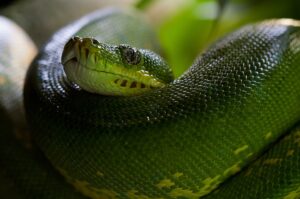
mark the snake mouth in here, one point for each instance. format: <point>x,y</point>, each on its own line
<point>81,52</point>
<point>71,57</point>
<point>71,61</point>
<point>69,52</point>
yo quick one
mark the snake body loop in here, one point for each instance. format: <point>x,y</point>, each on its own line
<point>179,141</point>
<point>183,140</point>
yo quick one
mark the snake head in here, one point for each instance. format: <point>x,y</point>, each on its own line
<point>113,69</point>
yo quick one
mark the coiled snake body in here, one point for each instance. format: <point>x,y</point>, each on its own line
<point>182,140</point>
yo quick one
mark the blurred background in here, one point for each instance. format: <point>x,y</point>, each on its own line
<point>184,27</point>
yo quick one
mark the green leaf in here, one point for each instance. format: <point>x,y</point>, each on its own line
<point>143,4</point>
<point>187,32</point>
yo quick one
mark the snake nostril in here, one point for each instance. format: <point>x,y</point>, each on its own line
<point>95,42</point>
<point>76,38</point>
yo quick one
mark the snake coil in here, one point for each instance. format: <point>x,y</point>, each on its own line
<point>182,140</point>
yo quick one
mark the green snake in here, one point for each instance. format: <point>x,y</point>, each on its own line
<point>224,129</point>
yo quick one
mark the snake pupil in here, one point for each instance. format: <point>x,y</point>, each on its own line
<point>130,55</point>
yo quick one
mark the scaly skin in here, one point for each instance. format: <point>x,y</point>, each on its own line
<point>275,174</point>
<point>24,172</point>
<point>179,141</point>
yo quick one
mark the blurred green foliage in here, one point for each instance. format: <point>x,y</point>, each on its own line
<point>188,31</point>
<point>143,3</point>
<point>193,26</point>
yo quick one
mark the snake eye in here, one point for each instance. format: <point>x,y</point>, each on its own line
<point>130,55</point>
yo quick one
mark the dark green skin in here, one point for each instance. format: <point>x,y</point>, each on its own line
<point>275,174</point>
<point>244,87</point>
<point>24,171</point>
<point>240,90</point>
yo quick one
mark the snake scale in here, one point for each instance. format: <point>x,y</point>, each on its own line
<point>226,128</point>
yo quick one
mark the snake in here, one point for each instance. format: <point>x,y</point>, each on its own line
<point>226,128</point>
